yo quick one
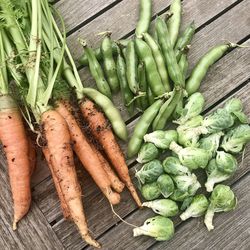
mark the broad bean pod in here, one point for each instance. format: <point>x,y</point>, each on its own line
<point>159,60</point>
<point>109,110</point>
<point>143,85</point>
<point>109,63</point>
<point>142,127</point>
<point>153,77</point>
<point>201,68</point>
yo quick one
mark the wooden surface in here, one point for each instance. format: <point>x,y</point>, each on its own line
<point>45,228</point>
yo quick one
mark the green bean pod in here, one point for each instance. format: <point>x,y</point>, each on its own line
<point>174,22</point>
<point>145,17</point>
<point>125,90</point>
<point>150,95</point>
<point>168,52</point>
<point>159,60</point>
<point>142,127</point>
<point>109,63</point>
<point>201,68</point>
<point>83,60</point>
<point>109,110</point>
<point>131,69</point>
<point>97,72</point>
<point>143,85</point>
<point>184,40</point>
<point>153,77</point>
<point>167,109</point>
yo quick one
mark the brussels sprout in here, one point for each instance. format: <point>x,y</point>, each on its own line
<point>194,106</point>
<point>150,191</point>
<point>189,132</point>
<point>186,203</point>
<point>148,152</point>
<point>172,165</point>
<point>164,207</point>
<point>161,139</point>
<point>222,199</point>
<point>166,185</point>
<point>179,195</point>
<point>235,140</point>
<point>220,169</point>
<point>186,182</point>
<point>226,162</point>
<point>234,107</point>
<point>192,158</point>
<point>149,172</point>
<point>197,208</point>
<point>219,120</point>
<point>211,143</point>
<point>158,227</point>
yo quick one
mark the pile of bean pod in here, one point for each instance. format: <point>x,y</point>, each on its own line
<point>150,69</point>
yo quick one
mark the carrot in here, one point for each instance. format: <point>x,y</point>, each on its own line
<point>86,154</point>
<point>32,156</point>
<point>15,144</point>
<point>64,206</point>
<point>116,184</point>
<point>101,130</point>
<point>58,139</point>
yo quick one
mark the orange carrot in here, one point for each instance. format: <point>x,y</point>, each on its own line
<point>64,206</point>
<point>86,154</point>
<point>32,156</point>
<point>116,184</point>
<point>15,144</point>
<point>58,139</point>
<point>101,130</point>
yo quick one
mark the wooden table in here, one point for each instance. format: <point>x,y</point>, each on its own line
<point>45,228</point>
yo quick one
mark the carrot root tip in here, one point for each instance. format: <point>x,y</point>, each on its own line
<point>14,226</point>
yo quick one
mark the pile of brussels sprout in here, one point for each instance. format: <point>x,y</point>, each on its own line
<point>210,143</point>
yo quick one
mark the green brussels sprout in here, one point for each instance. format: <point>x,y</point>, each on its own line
<point>166,185</point>
<point>235,140</point>
<point>234,107</point>
<point>148,152</point>
<point>158,227</point>
<point>211,143</point>
<point>189,132</point>
<point>192,158</point>
<point>186,203</point>
<point>220,169</point>
<point>150,191</point>
<point>194,106</point>
<point>164,207</point>
<point>179,195</point>
<point>149,172</point>
<point>186,182</point>
<point>226,162</point>
<point>219,120</point>
<point>222,199</point>
<point>161,139</point>
<point>197,208</point>
<point>172,165</point>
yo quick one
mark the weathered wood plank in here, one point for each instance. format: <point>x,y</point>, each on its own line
<point>231,229</point>
<point>33,230</point>
<point>123,233</point>
<point>77,12</point>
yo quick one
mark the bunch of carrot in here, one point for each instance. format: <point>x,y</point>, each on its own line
<point>34,54</point>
